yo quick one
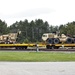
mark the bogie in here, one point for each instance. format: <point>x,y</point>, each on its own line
<point>21,47</point>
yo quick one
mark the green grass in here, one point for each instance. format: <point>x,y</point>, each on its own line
<point>36,56</point>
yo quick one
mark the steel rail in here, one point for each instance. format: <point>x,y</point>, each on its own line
<point>9,49</point>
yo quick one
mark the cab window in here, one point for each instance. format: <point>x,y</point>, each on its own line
<point>44,35</point>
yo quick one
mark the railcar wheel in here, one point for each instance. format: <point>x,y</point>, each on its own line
<point>21,47</point>
<point>55,47</point>
<point>49,47</point>
<point>24,47</point>
<point>16,48</point>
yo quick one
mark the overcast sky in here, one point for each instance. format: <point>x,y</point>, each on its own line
<point>56,12</point>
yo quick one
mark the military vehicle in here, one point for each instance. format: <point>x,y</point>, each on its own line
<point>9,38</point>
<point>54,38</point>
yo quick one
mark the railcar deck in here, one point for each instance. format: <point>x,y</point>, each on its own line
<point>25,45</point>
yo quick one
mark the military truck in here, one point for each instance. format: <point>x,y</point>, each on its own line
<point>9,38</point>
<point>54,38</point>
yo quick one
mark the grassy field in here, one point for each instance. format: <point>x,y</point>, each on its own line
<point>36,56</point>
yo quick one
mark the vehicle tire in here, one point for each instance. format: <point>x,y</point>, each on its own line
<point>49,40</point>
<point>73,40</point>
<point>56,41</point>
<point>69,40</point>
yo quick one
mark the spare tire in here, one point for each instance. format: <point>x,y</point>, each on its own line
<point>49,40</point>
<point>69,40</point>
<point>56,41</point>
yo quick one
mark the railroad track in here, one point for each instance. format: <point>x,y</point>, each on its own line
<point>37,49</point>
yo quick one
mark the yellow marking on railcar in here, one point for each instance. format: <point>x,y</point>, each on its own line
<point>65,45</point>
<point>7,45</point>
<point>39,45</point>
<point>12,45</point>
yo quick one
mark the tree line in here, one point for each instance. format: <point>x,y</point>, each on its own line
<point>32,31</point>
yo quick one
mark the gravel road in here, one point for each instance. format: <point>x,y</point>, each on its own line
<point>37,68</point>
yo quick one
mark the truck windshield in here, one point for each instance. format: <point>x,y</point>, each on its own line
<point>44,35</point>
